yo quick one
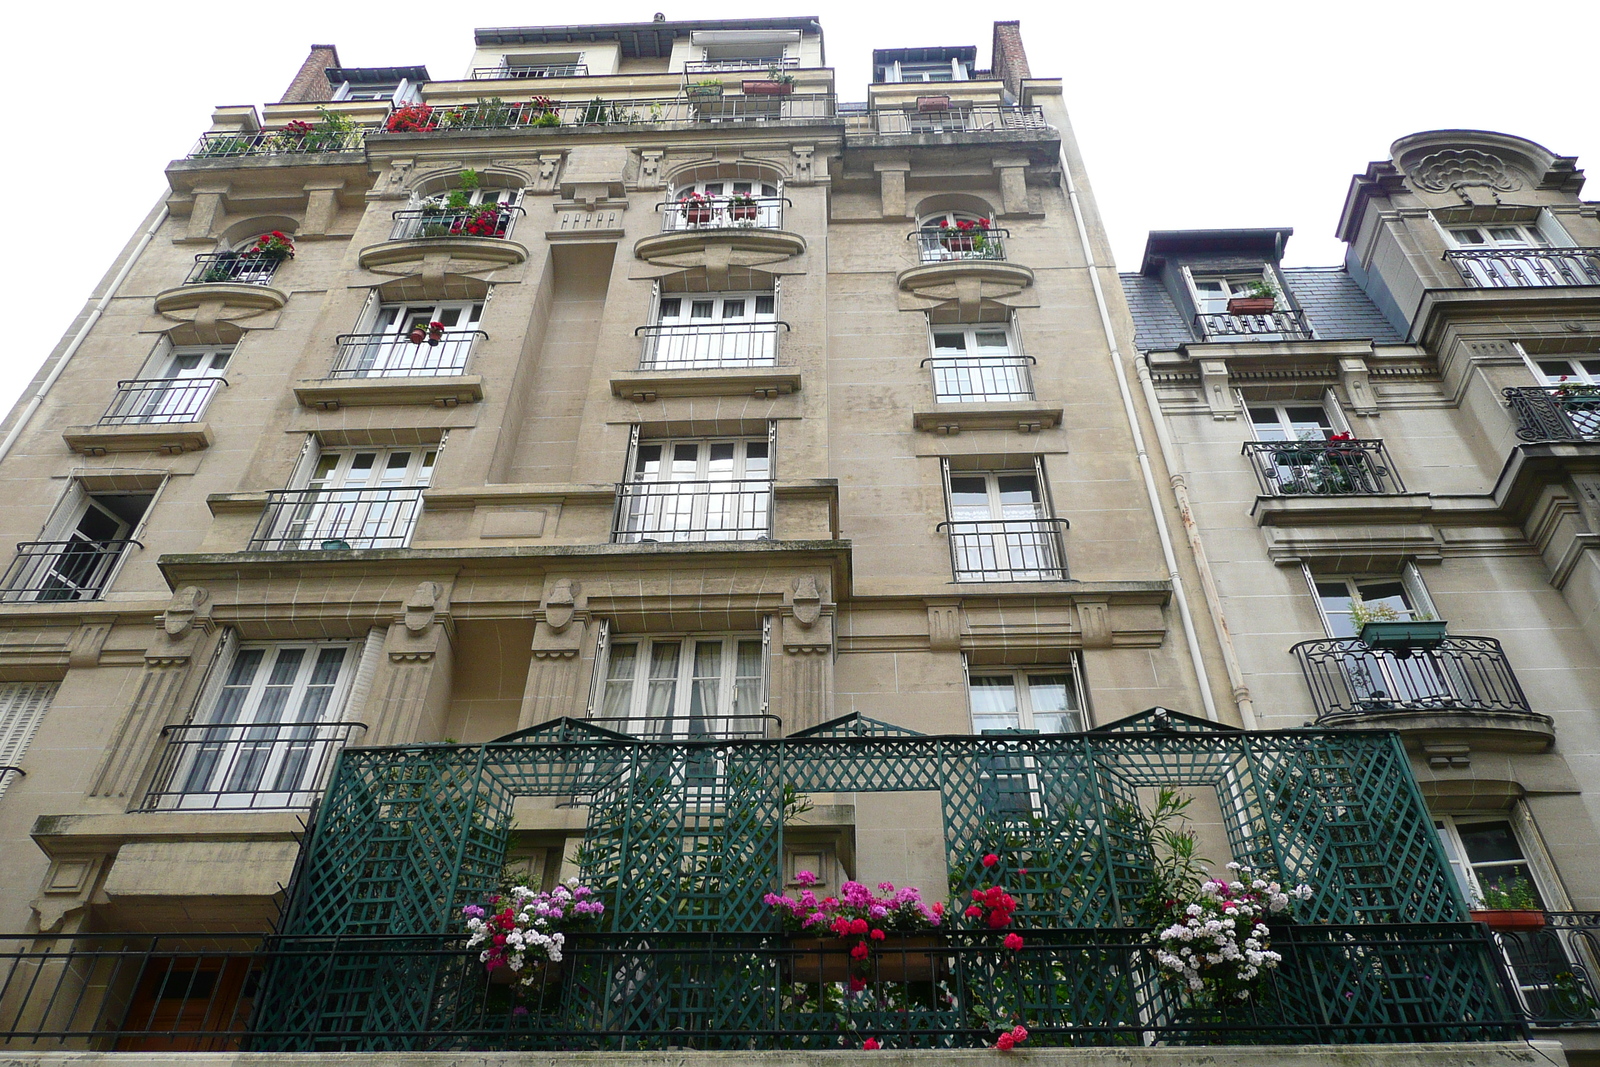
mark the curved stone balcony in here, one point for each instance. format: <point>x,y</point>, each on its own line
<point>458,254</point>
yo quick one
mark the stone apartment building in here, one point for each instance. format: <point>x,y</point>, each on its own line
<point>637,432</point>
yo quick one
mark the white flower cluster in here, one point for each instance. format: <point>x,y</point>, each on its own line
<point>1222,935</point>
<point>525,924</point>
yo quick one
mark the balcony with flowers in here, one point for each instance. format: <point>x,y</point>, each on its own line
<point>750,224</point>
<point>239,283</point>
<point>1074,911</point>
<point>951,246</point>
<point>467,226</point>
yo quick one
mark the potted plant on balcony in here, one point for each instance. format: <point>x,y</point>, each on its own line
<point>776,83</point>
<point>435,333</point>
<point>418,333</point>
<point>701,89</point>
<point>413,118</point>
<point>1509,905</point>
<point>277,246</point>
<point>966,235</point>
<point>696,208</point>
<point>744,208</point>
<point>522,931</point>
<point>1259,299</point>
<point>835,938</point>
<point>1381,627</point>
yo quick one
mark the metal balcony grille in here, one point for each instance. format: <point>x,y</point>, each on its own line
<point>546,70</point>
<point>388,355</point>
<point>707,66</point>
<point>45,571</point>
<point>721,213</point>
<point>936,246</point>
<point>1523,268</point>
<point>709,346</point>
<point>959,118</point>
<point>1556,412</point>
<point>156,401</point>
<point>419,223</point>
<point>1273,325</point>
<point>668,110</point>
<point>1007,550</point>
<point>971,379</point>
<point>1554,969</point>
<point>1323,468</point>
<point>277,143</point>
<point>337,519</point>
<point>733,510</point>
<point>1464,674</point>
<point>237,268</point>
<point>246,766</point>
<point>694,727</point>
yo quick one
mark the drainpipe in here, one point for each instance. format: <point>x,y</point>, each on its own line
<point>83,332</point>
<point>1208,581</point>
<point>1179,597</point>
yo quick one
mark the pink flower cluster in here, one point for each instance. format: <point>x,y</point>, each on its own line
<point>1011,1038</point>
<point>856,911</point>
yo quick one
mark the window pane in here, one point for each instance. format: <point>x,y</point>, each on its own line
<point>1489,842</point>
<point>747,685</point>
<point>700,309</point>
<point>949,342</point>
<point>705,694</point>
<point>624,660</point>
<point>671,309</point>
<point>663,680</point>
<point>765,305</point>
<point>994,702</point>
<point>733,309</point>
<point>1054,703</point>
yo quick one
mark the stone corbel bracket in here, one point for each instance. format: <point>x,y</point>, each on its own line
<point>424,621</point>
<point>807,619</point>
<point>561,620</point>
<point>209,310</point>
<point>968,284</point>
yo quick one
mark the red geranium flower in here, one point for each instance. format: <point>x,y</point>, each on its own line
<point>990,860</point>
<point>871,1044</point>
<point>1013,942</point>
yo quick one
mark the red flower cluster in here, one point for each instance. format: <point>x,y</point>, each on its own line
<point>487,222</point>
<point>1341,437</point>
<point>297,128</point>
<point>967,225</point>
<point>871,1044</point>
<point>277,243</point>
<point>413,118</point>
<point>1011,1038</point>
<point>994,905</point>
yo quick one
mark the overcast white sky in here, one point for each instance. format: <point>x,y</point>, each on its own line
<point>1189,115</point>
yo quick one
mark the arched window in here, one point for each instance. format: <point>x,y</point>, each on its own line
<point>950,235</point>
<point>718,203</point>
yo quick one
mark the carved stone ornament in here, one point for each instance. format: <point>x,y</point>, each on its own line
<point>422,606</point>
<point>558,606</point>
<point>1451,168</point>
<point>185,606</point>
<point>807,602</point>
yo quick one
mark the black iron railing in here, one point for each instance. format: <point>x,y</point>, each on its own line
<point>1463,674</point>
<point>732,510</point>
<point>958,379</point>
<point>709,345</point>
<point>694,727</point>
<point>722,213</point>
<point>337,519</point>
<point>237,268</point>
<point>1554,967</point>
<point>45,571</point>
<point>958,118</point>
<point>1556,412</point>
<point>246,766</point>
<point>697,66</point>
<point>1287,325</point>
<point>1007,550</point>
<point>937,246</point>
<point>277,143</point>
<point>1323,468</point>
<point>544,70</point>
<point>733,991</point>
<point>391,355</point>
<point>147,401</point>
<point>599,111</point>
<point>1523,268</point>
<point>488,221</point>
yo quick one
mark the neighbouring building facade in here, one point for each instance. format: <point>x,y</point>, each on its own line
<point>627,461</point>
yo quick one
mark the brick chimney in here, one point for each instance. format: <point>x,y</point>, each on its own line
<point>312,84</point>
<point>1010,62</point>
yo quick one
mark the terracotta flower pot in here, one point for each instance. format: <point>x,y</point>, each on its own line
<point>417,335</point>
<point>959,244</point>
<point>697,215</point>
<point>1251,305</point>
<point>435,334</point>
<point>898,958</point>
<point>1510,918</point>
<point>744,212</point>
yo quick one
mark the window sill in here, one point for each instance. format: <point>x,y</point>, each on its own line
<point>443,391</point>
<point>172,438</point>
<point>1024,416</point>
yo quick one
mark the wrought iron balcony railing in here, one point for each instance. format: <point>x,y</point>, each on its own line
<point>47,571</point>
<point>1554,967</point>
<point>697,66</point>
<point>337,519</point>
<point>732,510</point>
<point>389,355</point>
<point>721,213</point>
<point>709,346</point>
<point>489,221</point>
<point>157,401</point>
<point>1323,468</point>
<point>543,70</point>
<point>1272,325</point>
<point>694,727</point>
<point>958,118</point>
<point>1463,675</point>
<point>238,268</point>
<point>1007,550</point>
<point>1556,412</point>
<point>278,143</point>
<point>666,110</point>
<point>246,766</point>
<point>972,379</point>
<point>937,246</point>
<point>733,991</point>
<point>1523,268</point>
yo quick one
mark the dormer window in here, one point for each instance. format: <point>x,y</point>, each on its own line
<point>923,65</point>
<point>1213,292</point>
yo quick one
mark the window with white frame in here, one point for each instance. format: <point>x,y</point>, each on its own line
<point>718,203</point>
<point>1042,699</point>
<point>688,687</point>
<point>1519,255</point>
<point>978,362</point>
<point>1568,370</point>
<point>707,331</point>
<point>1396,598</point>
<point>1504,235</point>
<point>181,385</point>
<point>1290,422</point>
<point>412,339</point>
<point>697,490</point>
<point>22,707</point>
<point>1213,291</point>
<point>350,498</point>
<point>1001,528</point>
<point>1377,679</point>
<point>81,547</point>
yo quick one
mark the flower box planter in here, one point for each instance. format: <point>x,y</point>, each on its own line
<point>703,91</point>
<point>959,244</point>
<point>766,88</point>
<point>1509,918</point>
<point>1252,305</point>
<point>1403,637</point>
<point>933,103</point>
<point>697,214</point>
<point>897,958</point>
<point>744,212</point>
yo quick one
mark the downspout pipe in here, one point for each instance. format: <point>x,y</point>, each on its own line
<point>1169,557</point>
<point>83,332</point>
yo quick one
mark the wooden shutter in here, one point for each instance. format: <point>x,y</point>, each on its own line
<point>22,707</point>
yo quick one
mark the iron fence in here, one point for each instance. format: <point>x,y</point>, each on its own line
<point>391,355</point>
<point>1007,550</point>
<point>722,213</point>
<point>147,401</point>
<point>707,66</point>
<point>736,509</point>
<point>278,143</point>
<point>1524,268</point>
<point>542,70</point>
<point>732,991</point>
<point>1463,674</point>
<point>620,111</point>
<point>1553,969</point>
<point>958,379</point>
<point>1323,468</point>
<point>1271,325</point>
<point>1556,412</point>
<point>238,268</point>
<point>710,345</point>
<point>490,220</point>
<point>48,571</point>
<point>245,766</point>
<point>939,246</point>
<point>693,727</point>
<point>337,519</point>
<point>958,118</point>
